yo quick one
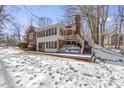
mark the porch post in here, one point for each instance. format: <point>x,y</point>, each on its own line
<point>82,47</point>
<point>37,46</point>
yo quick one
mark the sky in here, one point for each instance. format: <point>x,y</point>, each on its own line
<point>22,14</point>
<point>55,12</point>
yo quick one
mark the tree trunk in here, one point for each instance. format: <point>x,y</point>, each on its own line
<point>119,36</point>
<point>97,24</point>
<point>103,30</point>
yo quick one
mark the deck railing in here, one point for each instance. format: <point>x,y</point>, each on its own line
<point>77,38</point>
<point>74,37</point>
<point>70,37</point>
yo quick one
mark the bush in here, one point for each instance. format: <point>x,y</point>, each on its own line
<point>23,45</point>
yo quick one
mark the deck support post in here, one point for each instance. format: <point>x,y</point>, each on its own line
<point>82,48</point>
<point>37,46</point>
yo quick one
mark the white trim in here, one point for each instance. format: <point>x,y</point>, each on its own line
<point>53,38</point>
<point>52,26</point>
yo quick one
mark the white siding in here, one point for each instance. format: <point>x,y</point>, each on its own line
<point>50,39</point>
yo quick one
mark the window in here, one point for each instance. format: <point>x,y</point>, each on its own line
<point>41,34</point>
<point>55,31</point>
<point>55,44</point>
<point>46,32</point>
<point>46,44</point>
<point>61,31</point>
<point>41,46</point>
<point>51,45</point>
<point>52,31</point>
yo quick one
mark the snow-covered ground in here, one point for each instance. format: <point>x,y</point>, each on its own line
<point>108,55</point>
<point>22,69</point>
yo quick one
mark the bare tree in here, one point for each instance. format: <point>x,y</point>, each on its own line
<point>4,18</point>
<point>121,22</point>
<point>35,19</point>
<point>31,21</point>
<point>103,19</point>
<point>43,22</point>
<point>92,15</point>
<point>67,20</point>
<point>17,30</point>
<point>116,30</point>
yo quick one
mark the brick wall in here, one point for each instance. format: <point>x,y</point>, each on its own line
<point>78,23</point>
<point>60,43</point>
<point>69,32</point>
<point>33,40</point>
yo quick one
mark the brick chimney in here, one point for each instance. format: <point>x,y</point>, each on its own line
<point>77,23</point>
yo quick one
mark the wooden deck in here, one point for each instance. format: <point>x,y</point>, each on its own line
<point>89,58</point>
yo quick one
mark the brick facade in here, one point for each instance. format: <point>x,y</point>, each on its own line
<point>60,43</point>
<point>78,23</point>
<point>33,40</point>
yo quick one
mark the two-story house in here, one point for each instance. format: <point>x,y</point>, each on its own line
<point>55,37</point>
